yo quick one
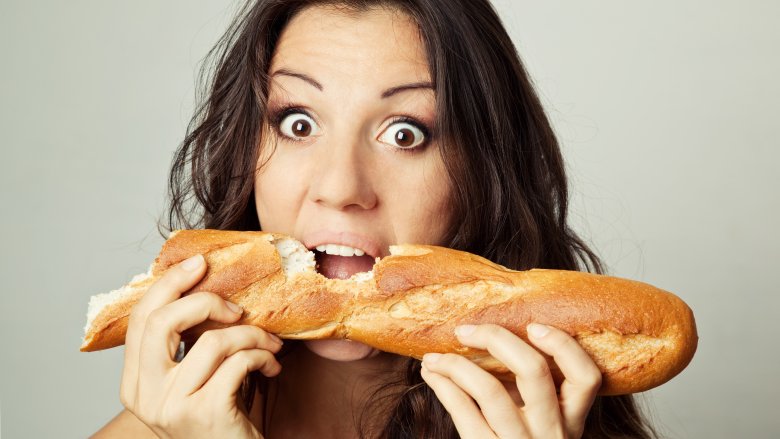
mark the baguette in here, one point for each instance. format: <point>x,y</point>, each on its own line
<point>409,304</point>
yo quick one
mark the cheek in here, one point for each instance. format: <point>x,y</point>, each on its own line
<point>422,206</point>
<point>438,209</point>
<point>276,195</point>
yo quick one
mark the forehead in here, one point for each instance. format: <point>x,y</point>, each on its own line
<point>378,44</point>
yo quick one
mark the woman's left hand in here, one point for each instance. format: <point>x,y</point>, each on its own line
<point>481,406</point>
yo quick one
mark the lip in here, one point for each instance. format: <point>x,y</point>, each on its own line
<point>355,240</point>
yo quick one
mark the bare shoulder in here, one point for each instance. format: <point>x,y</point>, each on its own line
<point>125,424</point>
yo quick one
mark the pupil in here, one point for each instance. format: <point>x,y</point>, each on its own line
<point>404,137</point>
<point>301,128</point>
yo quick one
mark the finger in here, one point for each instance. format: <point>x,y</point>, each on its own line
<point>177,280</point>
<point>465,414</point>
<point>169,287</point>
<point>213,347</point>
<point>164,327</point>
<point>582,378</point>
<point>498,408</point>
<point>227,379</point>
<point>533,377</point>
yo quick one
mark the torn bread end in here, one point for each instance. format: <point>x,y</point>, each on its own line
<point>100,301</point>
<point>296,258</point>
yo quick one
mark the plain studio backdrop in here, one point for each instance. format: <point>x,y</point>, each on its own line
<point>667,112</point>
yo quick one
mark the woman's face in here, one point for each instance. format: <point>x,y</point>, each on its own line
<point>355,162</point>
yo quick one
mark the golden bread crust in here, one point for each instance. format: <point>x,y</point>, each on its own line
<point>639,336</point>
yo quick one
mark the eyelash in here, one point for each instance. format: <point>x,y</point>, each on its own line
<point>278,115</point>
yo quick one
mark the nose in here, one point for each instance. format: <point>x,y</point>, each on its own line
<point>342,175</point>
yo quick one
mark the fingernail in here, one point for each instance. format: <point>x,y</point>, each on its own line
<point>276,339</point>
<point>431,358</point>
<point>464,330</point>
<point>537,330</point>
<point>233,307</point>
<point>192,263</point>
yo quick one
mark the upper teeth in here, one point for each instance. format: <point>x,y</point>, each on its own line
<point>341,250</point>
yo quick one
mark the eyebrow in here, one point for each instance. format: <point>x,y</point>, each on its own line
<point>307,78</point>
<point>385,94</point>
<point>413,86</point>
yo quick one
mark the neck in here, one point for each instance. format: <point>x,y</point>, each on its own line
<point>317,397</point>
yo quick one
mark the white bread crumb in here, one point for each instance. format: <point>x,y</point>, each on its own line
<point>100,301</point>
<point>296,258</point>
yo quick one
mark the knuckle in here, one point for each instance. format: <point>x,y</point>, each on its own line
<point>162,421</point>
<point>262,360</point>
<point>202,297</point>
<point>208,299</point>
<point>125,399</point>
<point>249,362</point>
<point>449,360</point>
<point>157,322</point>
<point>173,276</point>
<point>173,279</point>
<point>148,416</point>
<point>267,357</point>
<point>127,394</point>
<point>211,340</point>
<point>492,388</point>
<point>175,414</point>
<point>593,377</point>
<point>536,368</point>
<point>252,332</point>
<point>270,341</point>
<point>166,282</point>
<point>168,416</point>
<point>269,366</point>
<point>242,359</point>
<point>265,336</point>
<point>238,357</point>
<point>138,316</point>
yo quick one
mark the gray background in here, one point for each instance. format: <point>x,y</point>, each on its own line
<point>666,110</point>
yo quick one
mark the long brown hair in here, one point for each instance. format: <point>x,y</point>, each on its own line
<point>500,151</point>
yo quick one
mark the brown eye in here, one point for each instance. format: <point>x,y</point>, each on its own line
<point>402,135</point>
<point>298,125</point>
<point>301,128</point>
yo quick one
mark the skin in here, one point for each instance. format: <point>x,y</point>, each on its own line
<point>342,177</point>
<point>342,173</point>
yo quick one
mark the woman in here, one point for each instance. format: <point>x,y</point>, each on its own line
<point>364,124</point>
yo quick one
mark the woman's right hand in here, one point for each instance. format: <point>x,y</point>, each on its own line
<point>198,396</point>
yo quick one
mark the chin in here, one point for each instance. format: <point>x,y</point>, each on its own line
<point>341,350</point>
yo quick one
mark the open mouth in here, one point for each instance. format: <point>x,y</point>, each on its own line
<point>341,262</point>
